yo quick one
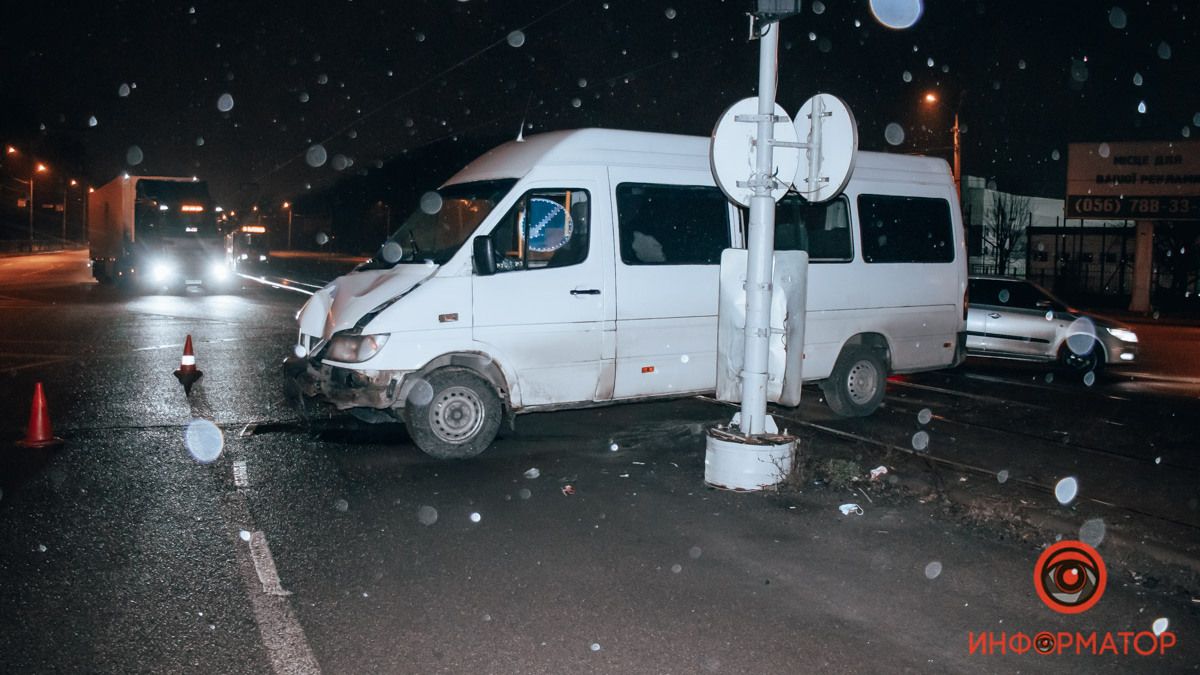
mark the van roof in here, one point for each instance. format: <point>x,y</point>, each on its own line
<point>619,147</point>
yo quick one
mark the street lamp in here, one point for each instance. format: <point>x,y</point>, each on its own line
<point>288,207</point>
<point>931,99</point>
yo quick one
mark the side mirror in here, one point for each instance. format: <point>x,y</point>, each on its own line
<point>484,256</point>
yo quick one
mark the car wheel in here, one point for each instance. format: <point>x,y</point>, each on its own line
<point>460,419</point>
<point>1072,360</point>
<point>855,388</point>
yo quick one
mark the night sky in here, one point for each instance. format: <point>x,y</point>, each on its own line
<point>140,86</point>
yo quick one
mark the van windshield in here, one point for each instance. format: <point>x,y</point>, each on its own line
<point>441,223</point>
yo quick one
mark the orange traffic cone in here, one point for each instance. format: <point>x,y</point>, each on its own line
<point>187,373</point>
<point>40,434</point>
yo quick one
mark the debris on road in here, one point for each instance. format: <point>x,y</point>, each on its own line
<point>878,471</point>
<point>568,490</point>
<point>847,509</point>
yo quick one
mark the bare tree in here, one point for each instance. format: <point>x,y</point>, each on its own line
<point>1005,229</point>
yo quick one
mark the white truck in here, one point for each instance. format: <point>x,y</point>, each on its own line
<point>155,232</point>
<point>581,268</point>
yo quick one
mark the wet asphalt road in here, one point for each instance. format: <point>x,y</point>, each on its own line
<point>347,550</point>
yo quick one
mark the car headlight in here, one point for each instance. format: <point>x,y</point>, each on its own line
<point>162,270</point>
<point>1122,334</point>
<point>262,258</point>
<point>218,270</point>
<point>355,348</point>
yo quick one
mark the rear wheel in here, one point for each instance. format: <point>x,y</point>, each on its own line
<point>460,419</point>
<point>855,388</point>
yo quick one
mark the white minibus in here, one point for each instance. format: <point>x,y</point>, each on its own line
<point>580,268</point>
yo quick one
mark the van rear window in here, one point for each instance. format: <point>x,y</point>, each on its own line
<point>905,229</point>
<point>672,224</point>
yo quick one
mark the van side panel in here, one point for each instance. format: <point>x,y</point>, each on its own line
<point>666,313</point>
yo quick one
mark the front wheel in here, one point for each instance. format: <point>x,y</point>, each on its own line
<point>460,418</point>
<point>856,386</point>
<point>1080,363</point>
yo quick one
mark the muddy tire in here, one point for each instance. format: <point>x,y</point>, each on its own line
<point>856,386</point>
<point>461,418</point>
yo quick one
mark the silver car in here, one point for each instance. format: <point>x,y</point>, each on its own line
<point>1017,319</point>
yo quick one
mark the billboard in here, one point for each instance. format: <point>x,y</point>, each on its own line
<point>1139,181</point>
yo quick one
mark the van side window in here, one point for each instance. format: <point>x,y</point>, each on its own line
<point>821,229</point>
<point>672,224</point>
<point>545,228</point>
<point>905,229</point>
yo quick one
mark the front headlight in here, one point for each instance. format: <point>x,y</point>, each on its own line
<point>355,348</point>
<point>161,271</point>
<point>218,270</point>
<point>1122,334</point>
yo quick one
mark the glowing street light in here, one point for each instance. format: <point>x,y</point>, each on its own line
<point>288,207</point>
<point>931,98</point>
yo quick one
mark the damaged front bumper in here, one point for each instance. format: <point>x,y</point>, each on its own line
<point>343,388</point>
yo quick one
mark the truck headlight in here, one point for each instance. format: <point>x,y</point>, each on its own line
<point>161,271</point>
<point>1122,334</point>
<point>355,348</point>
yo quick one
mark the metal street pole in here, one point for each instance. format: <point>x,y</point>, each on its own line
<point>761,244</point>
<point>957,160</point>
<point>32,174</point>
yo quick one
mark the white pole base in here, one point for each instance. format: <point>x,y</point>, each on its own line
<point>747,463</point>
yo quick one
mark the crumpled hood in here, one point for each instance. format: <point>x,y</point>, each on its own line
<point>345,300</point>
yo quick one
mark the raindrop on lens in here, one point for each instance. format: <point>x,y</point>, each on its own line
<point>1092,532</point>
<point>341,505</point>
<point>1116,18</point>
<point>244,535</point>
<point>893,134</point>
<point>427,515</point>
<point>421,393</point>
<point>613,447</point>
<point>925,415</point>
<point>818,7</point>
<point>1079,71</point>
<point>133,156</point>
<point>524,493</point>
<point>897,14</point>
<point>1161,625</point>
<point>322,239</point>
<point>595,646</point>
<point>532,473</point>
<point>694,553</point>
<point>300,351</point>
<point>1164,51</point>
<point>516,38</point>
<point>225,103</point>
<point>676,568</point>
<point>431,203</point>
<point>920,441</point>
<point>1089,378</point>
<point>1055,155</point>
<point>1141,107</point>
<point>204,440</point>
<point>475,517</point>
<point>907,76</point>
<point>123,90</point>
<point>1137,79</point>
<point>391,252</point>
<point>933,570</point>
<point>582,83</point>
<point>92,121</point>
<point>316,156</point>
<point>684,359</point>
<point>303,97</point>
<point>339,162</point>
<point>1002,476</point>
<point>670,13</point>
<point>1065,490</point>
<point>1104,150</point>
<point>575,103</point>
<point>199,141</point>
